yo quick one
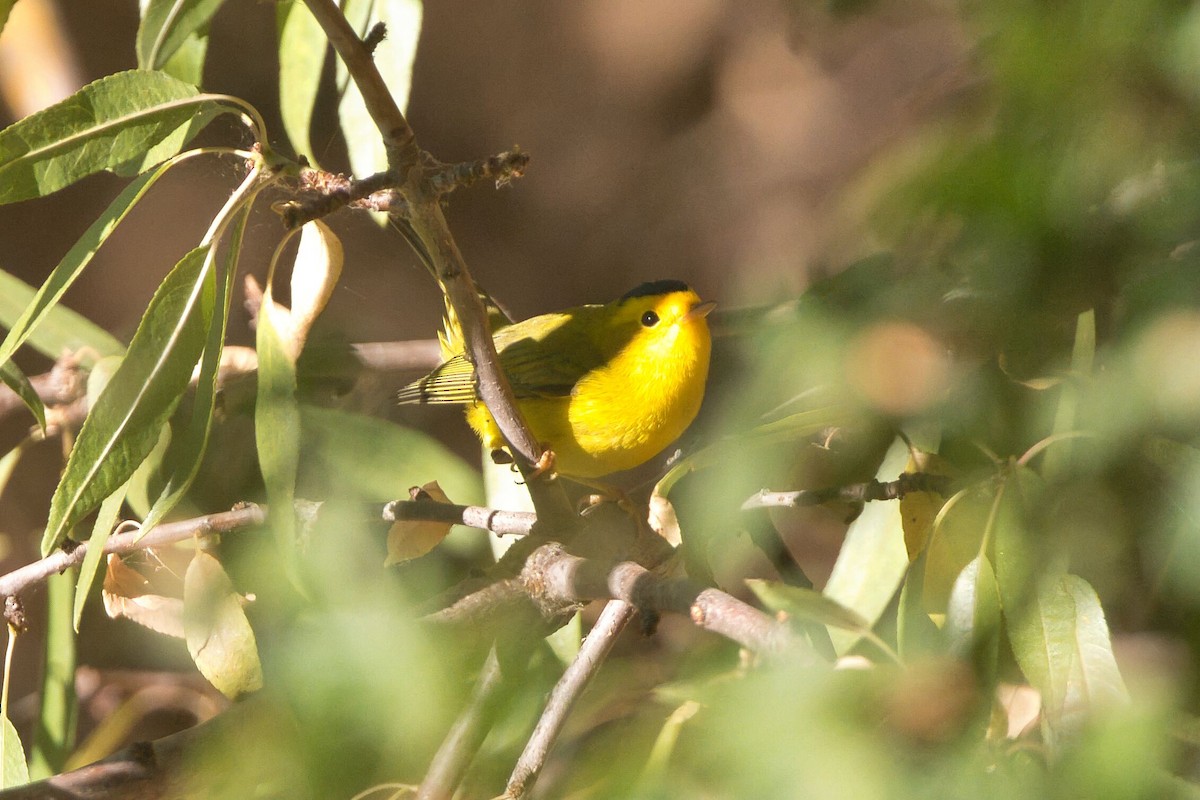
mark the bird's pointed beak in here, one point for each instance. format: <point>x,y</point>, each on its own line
<point>699,311</point>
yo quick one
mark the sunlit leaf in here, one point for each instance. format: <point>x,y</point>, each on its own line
<point>128,594</point>
<point>302,49</point>
<point>106,520</point>
<point>394,58</point>
<point>315,275</point>
<point>125,422</point>
<point>15,379</point>
<point>808,604</point>
<point>105,124</point>
<point>408,539</point>
<point>918,509</point>
<point>873,558</point>
<point>167,25</point>
<point>15,772</point>
<point>38,317</point>
<point>956,539</point>
<point>219,637</point>
<point>185,453</point>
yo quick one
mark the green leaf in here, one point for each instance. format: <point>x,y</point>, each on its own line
<point>186,451</point>
<point>106,520</point>
<point>1061,642</point>
<point>8,463</point>
<point>277,432</point>
<point>219,637</point>
<point>114,121</point>
<point>167,25</point>
<point>15,379</point>
<point>873,558</point>
<point>125,422</point>
<point>973,614</point>
<point>54,736</point>
<point>188,62</point>
<point>1083,356</point>
<point>380,460</point>
<point>33,316</point>
<point>6,7</point>
<point>15,771</point>
<point>302,50</point>
<point>394,58</point>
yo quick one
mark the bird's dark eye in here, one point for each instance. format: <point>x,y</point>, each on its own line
<point>649,319</point>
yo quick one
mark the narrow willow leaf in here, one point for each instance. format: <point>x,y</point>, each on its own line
<point>15,379</point>
<point>973,613</point>
<point>277,431</point>
<point>8,463</point>
<point>15,771</point>
<point>106,520</point>
<point>873,558</point>
<point>105,124</point>
<point>807,604</point>
<point>186,451</point>
<point>302,49</point>
<point>916,632</point>
<point>1061,642</point>
<point>315,274</point>
<point>54,736</point>
<point>125,422</point>
<point>394,58</point>
<point>1083,356</point>
<point>218,635</point>
<point>34,316</point>
<point>167,25</point>
<point>188,62</point>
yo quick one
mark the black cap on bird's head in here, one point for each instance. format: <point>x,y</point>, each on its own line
<point>652,288</point>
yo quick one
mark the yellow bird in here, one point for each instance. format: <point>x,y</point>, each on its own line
<point>605,387</point>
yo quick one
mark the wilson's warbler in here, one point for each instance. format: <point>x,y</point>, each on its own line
<point>605,387</point>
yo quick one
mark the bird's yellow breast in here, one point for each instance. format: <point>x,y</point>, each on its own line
<point>631,406</point>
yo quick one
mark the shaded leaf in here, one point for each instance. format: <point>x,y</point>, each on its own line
<point>125,422</point>
<point>807,604</point>
<point>1061,642</point>
<point>15,379</point>
<point>973,612</point>
<point>37,317</point>
<point>277,430</point>
<point>218,635</point>
<point>105,124</point>
<point>54,736</point>
<point>408,539</point>
<point>873,559</point>
<point>377,459</point>
<point>127,593</point>
<point>167,25</point>
<point>188,62</point>
<point>394,58</point>
<point>12,762</point>
<point>956,539</point>
<point>6,7</point>
<point>106,520</point>
<point>302,49</point>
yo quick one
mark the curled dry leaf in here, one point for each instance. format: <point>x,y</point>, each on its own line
<point>219,637</point>
<point>409,539</point>
<point>127,593</point>
<point>315,273</point>
<point>663,519</point>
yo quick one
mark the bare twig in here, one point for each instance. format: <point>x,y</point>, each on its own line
<point>516,523</point>
<point>591,655</point>
<point>502,168</point>
<point>853,493</point>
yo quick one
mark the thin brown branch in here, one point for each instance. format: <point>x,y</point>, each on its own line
<point>167,533</point>
<point>322,193</point>
<point>595,648</point>
<point>853,493</point>
<point>514,523</point>
<point>465,737</point>
<point>503,169</point>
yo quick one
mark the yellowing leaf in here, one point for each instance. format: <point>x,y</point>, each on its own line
<point>127,594</point>
<point>918,509</point>
<point>219,637</point>
<point>315,273</point>
<point>955,541</point>
<point>409,539</point>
